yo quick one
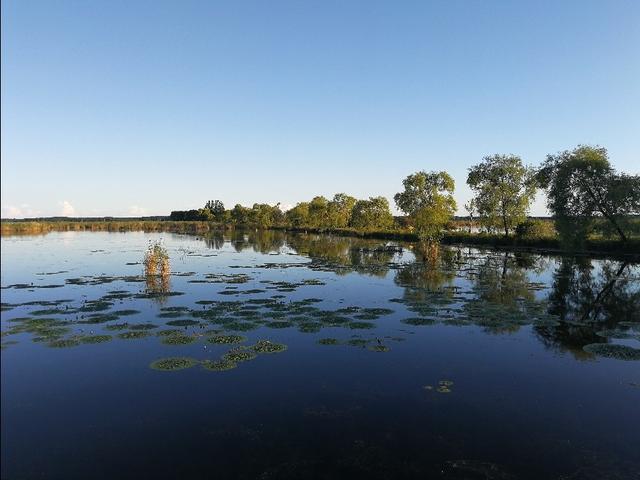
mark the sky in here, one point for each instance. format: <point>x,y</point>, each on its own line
<point>142,107</point>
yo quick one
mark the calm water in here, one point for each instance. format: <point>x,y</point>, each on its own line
<point>388,363</point>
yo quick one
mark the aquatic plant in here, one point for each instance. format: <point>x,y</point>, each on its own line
<point>64,343</point>
<point>612,350</point>
<point>328,341</point>
<point>171,364</point>
<point>133,335</point>
<point>360,325</point>
<point>95,338</point>
<point>378,348</point>
<point>182,323</point>
<point>226,339</point>
<point>418,321</point>
<point>218,365</point>
<point>266,346</point>
<point>239,355</point>
<point>156,260</point>
<point>178,339</point>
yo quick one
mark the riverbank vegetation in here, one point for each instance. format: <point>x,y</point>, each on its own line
<point>593,207</point>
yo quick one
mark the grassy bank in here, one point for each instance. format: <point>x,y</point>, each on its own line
<point>542,243</point>
<point>41,227</point>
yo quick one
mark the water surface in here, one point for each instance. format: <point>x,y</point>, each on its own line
<point>387,362</point>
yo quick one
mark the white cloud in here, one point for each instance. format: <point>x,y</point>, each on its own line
<point>136,211</point>
<point>22,211</point>
<point>286,207</point>
<point>66,209</point>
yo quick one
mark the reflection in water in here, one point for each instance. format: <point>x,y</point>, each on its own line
<point>592,302</point>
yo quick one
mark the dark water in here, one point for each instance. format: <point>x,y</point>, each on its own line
<point>461,364</point>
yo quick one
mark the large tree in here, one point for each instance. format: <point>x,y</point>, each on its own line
<point>339,210</point>
<point>422,189</point>
<point>371,214</point>
<point>504,189</point>
<point>428,200</point>
<point>581,186</point>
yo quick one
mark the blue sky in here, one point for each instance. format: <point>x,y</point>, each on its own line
<point>141,107</point>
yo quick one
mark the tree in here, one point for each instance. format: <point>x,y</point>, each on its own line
<point>430,221</point>
<point>216,207</point>
<point>504,189</point>
<point>240,215</point>
<point>339,210</point>
<point>428,199</point>
<point>422,188</point>
<point>581,186</point>
<point>318,212</point>
<point>298,216</point>
<point>371,214</point>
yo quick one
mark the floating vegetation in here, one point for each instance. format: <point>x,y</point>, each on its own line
<point>99,318</point>
<point>239,355</point>
<point>95,338</point>
<point>133,335</point>
<point>612,350</point>
<point>182,323</point>
<point>117,326</point>
<point>378,348</point>
<point>309,327</point>
<point>142,326</point>
<point>240,326</point>
<point>64,343</point>
<point>360,325</point>
<point>357,342</point>
<point>178,339</point>
<point>226,339</point>
<point>418,321</point>
<point>168,331</point>
<point>125,312</point>
<point>328,341</point>
<point>218,365</point>
<point>266,346</point>
<point>172,364</point>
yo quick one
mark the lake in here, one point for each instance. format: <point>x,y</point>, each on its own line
<point>267,355</point>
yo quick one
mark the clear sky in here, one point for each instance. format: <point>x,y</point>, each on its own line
<point>140,107</point>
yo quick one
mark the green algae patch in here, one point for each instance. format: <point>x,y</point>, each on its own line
<point>265,346</point>
<point>182,323</point>
<point>328,341</point>
<point>168,331</point>
<point>64,343</point>
<point>125,312</point>
<point>142,326</point>
<point>418,321</point>
<point>239,355</point>
<point>357,342</point>
<point>172,364</point>
<point>361,325</point>
<point>310,327</point>
<point>378,348</point>
<point>91,339</point>
<point>226,339</point>
<point>609,350</point>
<point>117,326</point>
<point>133,335</point>
<point>178,339</point>
<point>218,365</point>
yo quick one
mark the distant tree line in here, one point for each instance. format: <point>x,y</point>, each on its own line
<point>582,189</point>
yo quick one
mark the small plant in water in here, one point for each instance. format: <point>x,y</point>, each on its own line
<point>156,260</point>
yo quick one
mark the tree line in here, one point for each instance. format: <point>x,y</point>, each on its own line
<point>581,186</point>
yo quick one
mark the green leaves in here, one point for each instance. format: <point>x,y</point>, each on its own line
<point>503,188</point>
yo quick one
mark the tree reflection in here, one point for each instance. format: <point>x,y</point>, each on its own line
<point>590,298</point>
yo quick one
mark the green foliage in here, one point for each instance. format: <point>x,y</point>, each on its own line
<point>504,188</point>
<point>535,229</point>
<point>581,185</point>
<point>298,216</point>
<point>216,207</point>
<point>372,214</point>
<point>428,199</point>
<point>318,212</point>
<point>339,210</point>
<point>422,189</point>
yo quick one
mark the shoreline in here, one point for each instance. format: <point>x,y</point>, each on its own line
<point>549,245</point>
